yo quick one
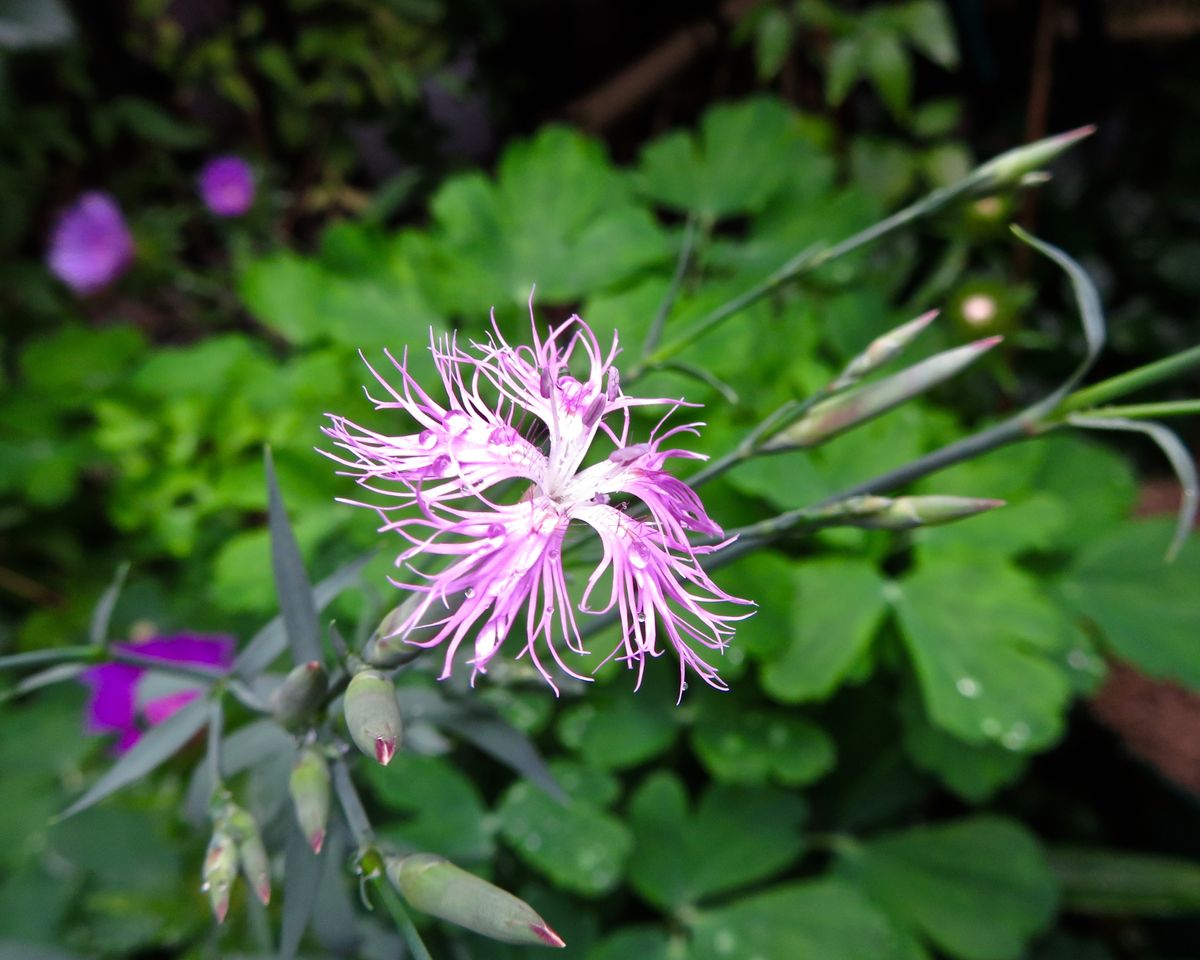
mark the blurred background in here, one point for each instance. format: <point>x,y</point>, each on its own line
<point>210,207</point>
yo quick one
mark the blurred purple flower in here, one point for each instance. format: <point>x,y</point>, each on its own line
<point>227,186</point>
<point>117,703</point>
<point>519,414</point>
<point>91,245</point>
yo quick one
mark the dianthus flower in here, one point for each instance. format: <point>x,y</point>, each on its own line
<point>519,414</point>
<point>121,702</point>
<point>91,245</point>
<point>226,186</point>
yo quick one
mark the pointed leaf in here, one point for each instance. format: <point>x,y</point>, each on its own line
<point>301,878</point>
<point>508,745</point>
<point>98,628</point>
<point>271,640</point>
<point>157,745</point>
<point>296,601</point>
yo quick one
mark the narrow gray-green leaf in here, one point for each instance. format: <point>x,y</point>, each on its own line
<point>98,629</point>
<point>271,640</point>
<point>508,745</point>
<point>296,601</point>
<point>1178,456</point>
<point>301,878</point>
<point>1090,313</point>
<point>156,746</point>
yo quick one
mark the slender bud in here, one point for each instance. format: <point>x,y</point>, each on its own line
<point>1012,167</point>
<point>882,350</point>
<point>904,513</point>
<point>372,715</point>
<point>840,413</point>
<point>309,786</point>
<point>252,855</point>
<point>294,700</point>
<point>435,886</point>
<point>220,870</point>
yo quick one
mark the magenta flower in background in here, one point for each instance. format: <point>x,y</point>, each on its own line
<point>227,186</point>
<point>121,701</point>
<point>91,245</point>
<point>505,558</point>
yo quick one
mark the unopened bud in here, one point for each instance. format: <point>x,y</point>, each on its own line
<point>309,786</point>
<point>372,715</point>
<point>838,414</point>
<point>387,648</point>
<point>220,870</point>
<point>252,855</point>
<point>435,886</point>
<point>904,513</point>
<point>1014,166</point>
<point>882,350</point>
<point>294,700</point>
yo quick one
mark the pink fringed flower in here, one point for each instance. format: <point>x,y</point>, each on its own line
<point>519,414</point>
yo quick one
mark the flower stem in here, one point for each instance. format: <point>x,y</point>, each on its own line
<point>1145,411</point>
<point>686,248</point>
<point>1131,380</point>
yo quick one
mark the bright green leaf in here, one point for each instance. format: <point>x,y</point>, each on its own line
<point>738,745</point>
<point>837,605</point>
<point>979,634</point>
<point>1145,609</point>
<point>813,920</point>
<point>735,836</point>
<point>978,888</point>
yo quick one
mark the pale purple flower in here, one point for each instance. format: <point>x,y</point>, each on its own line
<point>519,414</point>
<point>227,186</point>
<point>91,245</point>
<point>121,701</point>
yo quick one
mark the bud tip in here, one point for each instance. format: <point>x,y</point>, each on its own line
<point>385,749</point>
<point>317,840</point>
<point>1078,133</point>
<point>546,935</point>
<point>926,319</point>
<point>263,889</point>
<point>986,343</point>
<point>220,909</point>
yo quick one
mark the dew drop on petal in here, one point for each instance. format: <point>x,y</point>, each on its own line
<point>495,530</point>
<point>456,423</point>
<point>469,592</point>
<point>638,556</point>
<point>427,440</point>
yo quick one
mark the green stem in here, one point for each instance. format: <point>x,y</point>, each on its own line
<point>391,900</point>
<point>686,247</point>
<point>1146,411</point>
<point>1131,380</point>
<point>34,658</point>
<point>808,260</point>
<point>216,725</point>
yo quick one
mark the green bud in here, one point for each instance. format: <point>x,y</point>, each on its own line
<point>904,513</point>
<point>220,870</point>
<point>294,700</point>
<point>309,786</point>
<point>840,413</point>
<point>256,867</point>
<point>435,886</point>
<point>883,350</point>
<point>1012,167</point>
<point>386,649</point>
<point>372,715</point>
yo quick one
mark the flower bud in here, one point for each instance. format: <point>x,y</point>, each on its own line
<point>309,786</point>
<point>389,647</point>
<point>883,350</point>
<point>838,414</point>
<point>256,867</point>
<point>435,886</point>
<point>372,715</point>
<point>294,700</point>
<point>1013,166</point>
<point>220,870</point>
<point>904,513</point>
